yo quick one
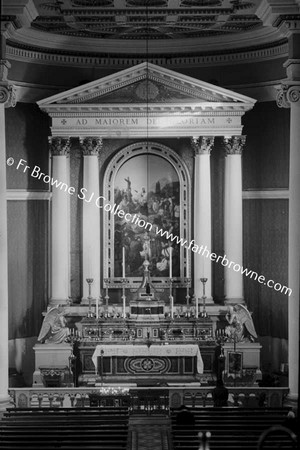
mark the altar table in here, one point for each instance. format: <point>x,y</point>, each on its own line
<point>153,351</point>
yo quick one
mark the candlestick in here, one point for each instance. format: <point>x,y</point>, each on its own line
<point>197,307</point>
<point>172,306</point>
<point>97,308</point>
<point>187,264</point>
<point>90,282</point>
<point>123,263</point>
<point>170,261</point>
<point>124,305</point>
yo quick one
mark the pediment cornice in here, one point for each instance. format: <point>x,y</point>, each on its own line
<point>192,95</point>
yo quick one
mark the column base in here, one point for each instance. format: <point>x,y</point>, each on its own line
<point>291,401</point>
<point>5,402</point>
<point>234,301</point>
<point>59,301</point>
<point>208,301</point>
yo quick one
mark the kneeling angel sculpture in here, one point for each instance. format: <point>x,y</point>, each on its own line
<point>54,329</point>
<point>241,327</point>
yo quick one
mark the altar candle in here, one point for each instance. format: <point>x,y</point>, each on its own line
<point>187,264</point>
<point>170,261</point>
<point>123,263</point>
<point>197,312</point>
<point>124,306</point>
<point>172,306</point>
<point>97,308</point>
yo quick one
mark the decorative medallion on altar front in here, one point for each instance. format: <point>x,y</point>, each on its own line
<point>147,365</point>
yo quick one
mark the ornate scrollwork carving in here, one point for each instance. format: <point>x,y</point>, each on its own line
<point>202,145</point>
<point>293,94</point>
<point>8,96</point>
<point>287,95</point>
<point>91,145</point>
<point>59,146</point>
<point>234,145</point>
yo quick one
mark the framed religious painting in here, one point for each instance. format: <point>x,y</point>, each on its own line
<point>147,186</point>
<point>235,363</point>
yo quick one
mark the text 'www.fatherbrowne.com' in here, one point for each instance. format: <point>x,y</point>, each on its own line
<point>102,203</point>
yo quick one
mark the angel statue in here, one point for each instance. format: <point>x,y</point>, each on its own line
<point>54,329</point>
<point>241,327</point>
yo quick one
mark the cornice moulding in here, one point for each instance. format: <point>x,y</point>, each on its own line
<point>266,194</point>
<point>24,194</point>
<point>278,50</point>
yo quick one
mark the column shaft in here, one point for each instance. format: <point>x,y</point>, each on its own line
<point>60,221</point>
<point>294,250</point>
<point>4,397</point>
<point>91,217</point>
<point>233,219</point>
<point>202,215</point>
<point>7,98</point>
<point>289,96</point>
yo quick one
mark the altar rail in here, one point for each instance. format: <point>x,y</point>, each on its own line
<point>144,400</point>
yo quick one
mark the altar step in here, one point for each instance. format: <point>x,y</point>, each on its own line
<point>70,428</point>
<point>232,428</point>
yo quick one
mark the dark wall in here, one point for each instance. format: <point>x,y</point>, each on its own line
<point>266,252</point>
<point>266,154</point>
<point>26,137</point>
<point>27,266</point>
<point>27,131</point>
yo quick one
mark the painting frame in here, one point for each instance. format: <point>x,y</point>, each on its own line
<point>112,276</point>
<point>235,363</point>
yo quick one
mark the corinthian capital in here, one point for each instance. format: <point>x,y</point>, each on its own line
<point>234,144</point>
<point>8,95</point>
<point>288,94</point>
<point>202,145</point>
<point>59,146</point>
<point>91,145</point>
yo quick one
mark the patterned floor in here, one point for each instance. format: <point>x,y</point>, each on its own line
<point>149,433</point>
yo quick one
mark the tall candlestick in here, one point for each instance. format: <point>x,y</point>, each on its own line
<point>187,264</point>
<point>170,262</point>
<point>97,308</point>
<point>197,307</point>
<point>124,304</point>
<point>172,306</point>
<point>123,263</point>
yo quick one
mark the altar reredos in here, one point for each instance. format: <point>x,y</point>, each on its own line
<point>146,100</point>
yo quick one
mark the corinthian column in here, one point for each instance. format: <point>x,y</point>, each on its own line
<point>91,216</point>
<point>7,99</point>
<point>233,219</point>
<point>60,220</point>
<point>202,215</point>
<point>289,96</point>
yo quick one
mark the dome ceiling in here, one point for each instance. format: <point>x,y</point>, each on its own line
<point>141,27</point>
<point>132,20</point>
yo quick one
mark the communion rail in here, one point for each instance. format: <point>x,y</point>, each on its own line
<point>144,400</point>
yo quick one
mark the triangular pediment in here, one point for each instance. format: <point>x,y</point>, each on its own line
<point>146,83</point>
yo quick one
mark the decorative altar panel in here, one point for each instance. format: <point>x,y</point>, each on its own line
<point>146,358</point>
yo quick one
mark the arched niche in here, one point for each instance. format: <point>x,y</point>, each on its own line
<point>150,183</point>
